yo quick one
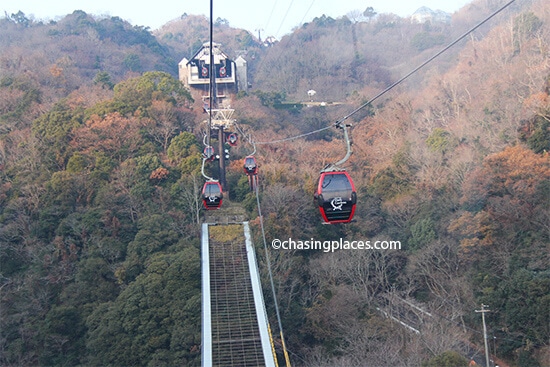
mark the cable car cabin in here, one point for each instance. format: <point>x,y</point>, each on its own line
<point>232,139</point>
<point>208,153</point>
<point>250,166</point>
<point>336,197</point>
<point>212,195</point>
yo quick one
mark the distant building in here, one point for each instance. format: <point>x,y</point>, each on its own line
<point>242,77</point>
<point>425,14</point>
<point>230,76</point>
<point>270,41</point>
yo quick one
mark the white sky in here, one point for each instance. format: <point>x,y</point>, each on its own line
<point>274,17</point>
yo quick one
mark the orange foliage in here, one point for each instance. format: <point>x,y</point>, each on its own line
<point>538,103</point>
<point>477,229</point>
<point>113,133</point>
<point>506,195</point>
<point>517,170</point>
<point>159,174</point>
<point>56,71</point>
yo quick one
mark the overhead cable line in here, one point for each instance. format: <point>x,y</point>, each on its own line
<point>268,261</point>
<point>292,137</point>
<point>284,18</point>
<point>271,14</point>
<point>291,34</point>
<point>211,74</point>
<point>340,121</point>
<point>307,12</point>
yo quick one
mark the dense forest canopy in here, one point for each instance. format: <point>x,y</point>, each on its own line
<point>100,174</point>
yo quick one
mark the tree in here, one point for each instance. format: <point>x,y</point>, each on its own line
<point>525,26</point>
<point>447,359</point>
<point>155,233</point>
<point>425,40</point>
<point>355,16</point>
<point>154,318</point>
<point>423,233</point>
<point>286,208</point>
<point>187,194</point>
<point>103,79</point>
<point>437,271</point>
<point>369,13</point>
<point>20,18</point>
<point>113,134</point>
<point>135,95</point>
<point>64,329</point>
<point>185,152</point>
<point>222,22</point>
<point>535,131</point>
<point>438,141</point>
<point>132,62</point>
<point>505,197</point>
<point>166,120</point>
<point>53,130</point>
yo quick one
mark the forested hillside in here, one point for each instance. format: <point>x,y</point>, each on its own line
<point>100,157</point>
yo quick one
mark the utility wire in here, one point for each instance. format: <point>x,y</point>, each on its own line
<point>262,60</point>
<point>284,18</point>
<point>292,137</point>
<point>268,261</point>
<point>271,14</point>
<point>211,75</point>
<point>340,121</point>
<point>307,11</point>
<point>271,276</point>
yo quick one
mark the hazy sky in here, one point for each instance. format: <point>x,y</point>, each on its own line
<point>274,17</point>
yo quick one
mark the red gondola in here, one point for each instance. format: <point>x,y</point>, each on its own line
<point>336,197</point>
<point>250,166</point>
<point>208,153</point>
<point>232,139</point>
<point>212,195</point>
